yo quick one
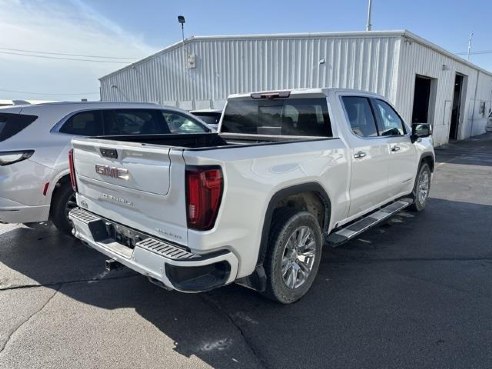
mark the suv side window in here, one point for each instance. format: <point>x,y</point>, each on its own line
<point>87,123</point>
<point>360,116</point>
<point>179,123</point>
<point>389,122</point>
<point>134,121</point>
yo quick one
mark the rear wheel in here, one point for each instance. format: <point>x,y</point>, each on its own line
<point>63,201</point>
<point>421,188</point>
<point>293,255</point>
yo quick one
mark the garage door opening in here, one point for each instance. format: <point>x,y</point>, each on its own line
<point>424,99</point>
<point>456,112</point>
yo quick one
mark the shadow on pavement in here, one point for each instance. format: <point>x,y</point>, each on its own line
<point>404,294</point>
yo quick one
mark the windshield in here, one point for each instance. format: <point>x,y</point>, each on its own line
<point>292,117</point>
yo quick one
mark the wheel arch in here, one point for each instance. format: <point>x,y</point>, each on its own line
<point>289,196</point>
<point>429,159</point>
<point>61,179</point>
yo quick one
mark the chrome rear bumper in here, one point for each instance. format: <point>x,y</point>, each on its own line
<point>172,265</point>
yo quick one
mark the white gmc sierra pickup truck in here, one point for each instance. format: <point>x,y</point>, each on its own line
<point>253,204</point>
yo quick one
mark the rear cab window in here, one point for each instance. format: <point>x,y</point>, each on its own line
<point>11,124</point>
<point>292,116</point>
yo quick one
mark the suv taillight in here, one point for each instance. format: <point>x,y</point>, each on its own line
<point>204,186</point>
<point>73,179</point>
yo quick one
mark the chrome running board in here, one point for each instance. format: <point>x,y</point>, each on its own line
<point>352,230</point>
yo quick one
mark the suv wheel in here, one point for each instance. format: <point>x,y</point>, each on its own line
<point>63,201</point>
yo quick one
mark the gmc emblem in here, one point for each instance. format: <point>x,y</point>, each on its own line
<point>106,170</point>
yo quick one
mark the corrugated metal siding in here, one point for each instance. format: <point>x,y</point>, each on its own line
<point>224,67</point>
<point>383,63</point>
<point>423,60</point>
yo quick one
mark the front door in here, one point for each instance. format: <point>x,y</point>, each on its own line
<point>403,159</point>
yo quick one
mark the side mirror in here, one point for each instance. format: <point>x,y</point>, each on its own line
<point>420,130</point>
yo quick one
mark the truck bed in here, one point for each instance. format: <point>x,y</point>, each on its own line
<point>207,140</point>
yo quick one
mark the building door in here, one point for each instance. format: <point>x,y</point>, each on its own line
<point>456,110</point>
<point>423,95</point>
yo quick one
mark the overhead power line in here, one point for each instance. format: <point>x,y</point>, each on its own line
<point>64,58</point>
<point>66,54</point>
<point>475,52</point>
<point>50,93</point>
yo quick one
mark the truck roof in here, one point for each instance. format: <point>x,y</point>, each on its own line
<point>305,91</point>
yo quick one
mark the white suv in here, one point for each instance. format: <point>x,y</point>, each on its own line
<point>34,144</point>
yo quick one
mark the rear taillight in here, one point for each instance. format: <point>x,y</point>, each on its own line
<point>204,186</point>
<point>73,179</point>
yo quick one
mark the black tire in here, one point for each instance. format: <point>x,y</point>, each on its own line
<point>63,201</point>
<point>35,225</point>
<point>287,223</point>
<point>421,188</point>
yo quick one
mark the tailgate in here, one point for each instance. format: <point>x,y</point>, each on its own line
<point>132,184</point>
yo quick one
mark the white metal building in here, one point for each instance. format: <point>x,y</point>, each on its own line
<point>425,82</point>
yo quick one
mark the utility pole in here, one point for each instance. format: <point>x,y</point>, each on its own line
<point>469,46</point>
<point>369,11</point>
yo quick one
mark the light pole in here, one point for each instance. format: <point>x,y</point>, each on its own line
<point>369,11</point>
<point>182,21</point>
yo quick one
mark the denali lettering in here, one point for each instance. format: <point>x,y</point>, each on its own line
<point>119,200</point>
<point>106,170</point>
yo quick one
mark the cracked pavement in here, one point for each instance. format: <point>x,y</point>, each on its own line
<point>414,292</point>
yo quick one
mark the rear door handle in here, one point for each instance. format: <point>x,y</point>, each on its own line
<point>395,148</point>
<point>359,155</point>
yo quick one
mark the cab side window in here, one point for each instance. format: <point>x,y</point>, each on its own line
<point>360,116</point>
<point>389,123</point>
<point>87,123</point>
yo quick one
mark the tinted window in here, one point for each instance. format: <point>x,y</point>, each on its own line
<point>360,116</point>
<point>134,122</point>
<point>180,123</point>
<point>389,123</point>
<point>11,124</point>
<point>292,116</point>
<point>209,118</point>
<point>87,123</point>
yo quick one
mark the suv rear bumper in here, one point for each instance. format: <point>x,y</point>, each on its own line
<point>171,265</point>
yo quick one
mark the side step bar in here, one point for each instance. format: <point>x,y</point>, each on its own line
<point>354,229</point>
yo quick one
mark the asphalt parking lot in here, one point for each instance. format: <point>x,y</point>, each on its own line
<point>415,292</point>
